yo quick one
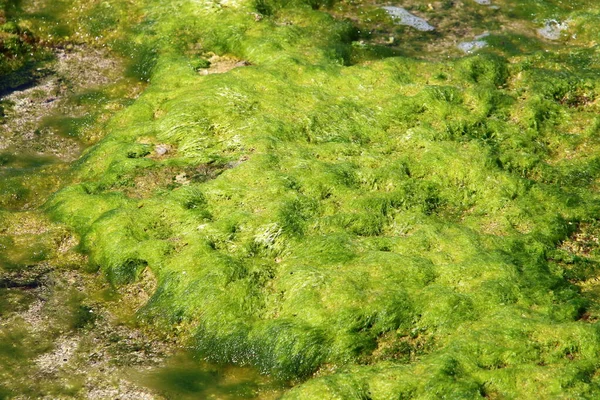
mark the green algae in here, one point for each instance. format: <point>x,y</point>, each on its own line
<point>389,224</point>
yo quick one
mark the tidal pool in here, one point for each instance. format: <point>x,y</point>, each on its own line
<point>186,377</point>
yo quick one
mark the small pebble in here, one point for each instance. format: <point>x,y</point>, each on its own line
<point>161,150</point>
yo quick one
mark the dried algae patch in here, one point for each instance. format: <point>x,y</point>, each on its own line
<point>366,227</point>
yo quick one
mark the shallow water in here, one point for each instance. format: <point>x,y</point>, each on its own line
<point>185,377</point>
<point>51,323</point>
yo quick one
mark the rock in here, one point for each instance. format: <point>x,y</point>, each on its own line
<point>403,17</point>
<point>470,47</point>
<point>161,149</point>
<point>552,29</point>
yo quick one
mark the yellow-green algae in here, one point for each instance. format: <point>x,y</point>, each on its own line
<point>373,227</point>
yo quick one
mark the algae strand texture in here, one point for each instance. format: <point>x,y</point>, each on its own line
<point>374,227</point>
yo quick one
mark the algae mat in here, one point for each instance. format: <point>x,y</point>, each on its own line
<point>347,203</point>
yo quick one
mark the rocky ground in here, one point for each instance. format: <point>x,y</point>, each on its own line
<point>73,335</point>
<point>42,118</point>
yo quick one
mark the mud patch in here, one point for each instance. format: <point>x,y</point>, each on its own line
<point>147,181</point>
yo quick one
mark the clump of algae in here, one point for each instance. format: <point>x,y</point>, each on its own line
<point>391,225</point>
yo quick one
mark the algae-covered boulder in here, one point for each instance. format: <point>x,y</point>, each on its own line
<point>361,220</point>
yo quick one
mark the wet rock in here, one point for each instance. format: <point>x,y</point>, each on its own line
<point>474,45</point>
<point>552,29</point>
<point>403,17</point>
<point>470,47</point>
<point>182,179</point>
<point>233,164</point>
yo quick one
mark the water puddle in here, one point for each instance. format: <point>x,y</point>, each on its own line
<point>10,160</point>
<point>27,178</point>
<point>185,377</point>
